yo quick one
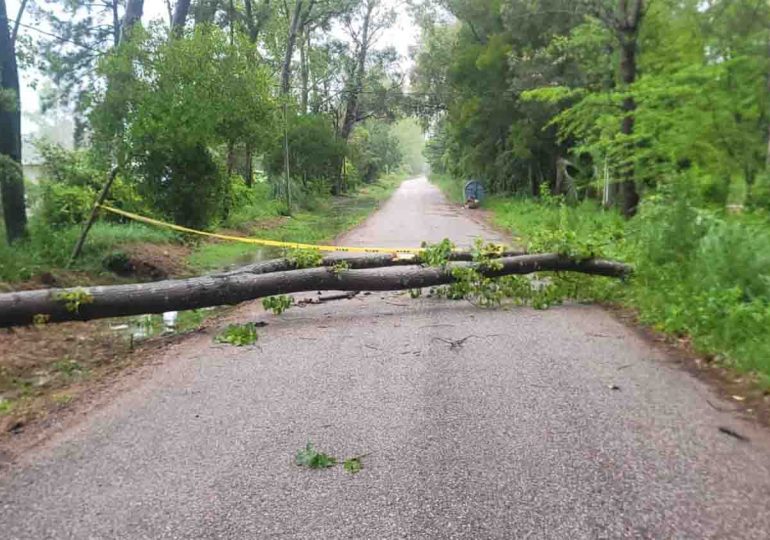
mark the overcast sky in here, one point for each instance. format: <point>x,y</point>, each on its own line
<point>402,36</point>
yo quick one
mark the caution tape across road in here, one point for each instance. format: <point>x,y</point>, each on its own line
<point>259,241</point>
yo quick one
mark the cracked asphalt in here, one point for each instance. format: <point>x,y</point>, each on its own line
<point>540,424</point>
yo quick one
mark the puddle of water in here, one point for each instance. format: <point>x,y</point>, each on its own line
<point>171,322</point>
<point>259,254</point>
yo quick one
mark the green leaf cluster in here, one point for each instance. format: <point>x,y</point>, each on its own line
<point>238,335</point>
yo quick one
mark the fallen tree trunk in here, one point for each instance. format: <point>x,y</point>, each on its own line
<point>366,261</point>
<point>81,304</point>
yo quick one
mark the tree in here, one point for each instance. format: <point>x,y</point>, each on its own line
<point>179,18</point>
<point>11,177</point>
<point>625,20</point>
<point>186,100</point>
<point>364,27</point>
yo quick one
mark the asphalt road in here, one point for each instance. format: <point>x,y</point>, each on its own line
<point>515,433</point>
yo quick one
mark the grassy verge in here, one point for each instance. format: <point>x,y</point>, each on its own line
<point>44,256</point>
<point>700,274</point>
<point>47,250</point>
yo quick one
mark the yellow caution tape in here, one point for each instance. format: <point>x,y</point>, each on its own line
<point>258,241</point>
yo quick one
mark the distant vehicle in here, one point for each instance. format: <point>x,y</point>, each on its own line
<point>474,193</point>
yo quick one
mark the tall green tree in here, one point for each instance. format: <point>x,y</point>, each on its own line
<point>11,176</point>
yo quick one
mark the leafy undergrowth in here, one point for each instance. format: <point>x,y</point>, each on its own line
<point>311,458</point>
<point>239,335</point>
<point>47,251</point>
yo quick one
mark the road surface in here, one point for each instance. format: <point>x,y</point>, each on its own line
<point>515,433</point>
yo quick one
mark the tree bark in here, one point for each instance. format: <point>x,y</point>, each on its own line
<point>17,22</point>
<point>366,261</point>
<point>304,71</point>
<point>256,18</point>
<point>628,193</point>
<point>630,14</point>
<point>21,308</point>
<point>178,20</point>
<point>133,15</point>
<point>351,111</point>
<point>291,40</point>
<point>11,181</point>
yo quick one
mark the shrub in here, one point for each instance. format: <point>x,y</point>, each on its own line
<point>64,204</point>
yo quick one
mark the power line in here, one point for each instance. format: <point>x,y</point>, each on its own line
<point>57,37</point>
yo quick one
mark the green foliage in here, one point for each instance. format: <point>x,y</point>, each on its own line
<point>339,267</point>
<point>698,272</point>
<point>304,258</point>
<point>353,465</point>
<point>315,153</point>
<point>277,304</point>
<point>71,183</point>
<point>437,254</point>
<point>309,457</point>
<point>74,299</point>
<point>238,335</point>
<point>49,249</point>
<point>63,204</point>
<point>174,104</point>
<point>374,150</point>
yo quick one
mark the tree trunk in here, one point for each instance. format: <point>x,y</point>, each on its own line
<point>631,14</point>
<point>204,11</point>
<point>17,22</point>
<point>133,15</point>
<point>57,305</point>
<point>179,18</point>
<point>627,190</point>
<point>351,112</point>
<point>291,39</point>
<point>256,19</point>
<point>11,177</point>
<point>304,48</point>
<point>115,23</point>
<point>249,165</point>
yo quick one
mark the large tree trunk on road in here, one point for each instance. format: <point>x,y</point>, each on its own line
<point>21,308</point>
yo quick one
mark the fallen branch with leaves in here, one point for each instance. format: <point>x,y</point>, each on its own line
<point>81,304</point>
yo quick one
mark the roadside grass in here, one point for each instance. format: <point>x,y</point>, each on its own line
<point>48,249</point>
<point>700,274</point>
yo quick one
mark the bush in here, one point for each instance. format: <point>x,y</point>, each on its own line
<point>315,153</point>
<point>187,185</point>
<point>65,204</point>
